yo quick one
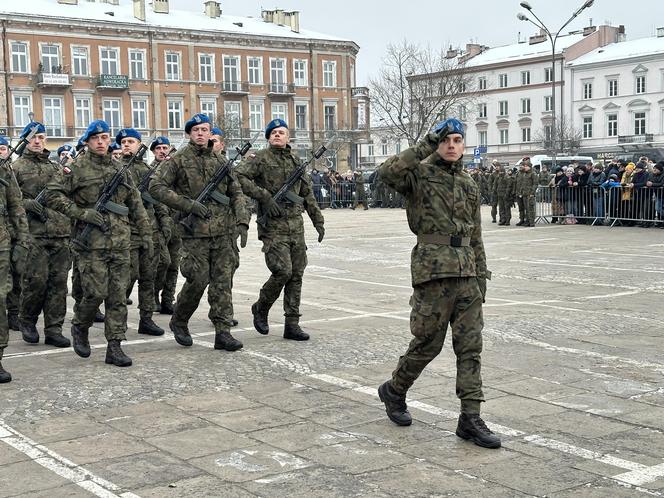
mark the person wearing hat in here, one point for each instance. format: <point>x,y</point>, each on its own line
<point>525,188</point>
<point>104,264</point>
<point>44,283</point>
<point>656,183</point>
<point>14,294</point>
<point>503,191</point>
<point>491,181</point>
<point>639,180</point>
<point>143,262</point>
<point>209,251</point>
<point>262,174</point>
<point>4,147</point>
<point>116,151</point>
<point>66,154</point>
<point>449,273</point>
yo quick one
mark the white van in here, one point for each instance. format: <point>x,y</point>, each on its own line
<point>541,160</point>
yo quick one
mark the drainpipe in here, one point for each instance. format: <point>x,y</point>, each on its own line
<point>5,68</point>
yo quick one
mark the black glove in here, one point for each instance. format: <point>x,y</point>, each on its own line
<point>272,208</point>
<point>93,217</point>
<point>148,245</point>
<point>242,231</point>
<point>19,258</point>
<point>34,207</point>
<point>199,209</point>
<point>321,232</point>
<point>481,282</point>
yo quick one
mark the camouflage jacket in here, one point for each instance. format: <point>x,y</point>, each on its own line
<point>13,221</point>
<point>181,178</point>
<point>544,178</point>
<point>503,185</point>
<point>526,183</point>
<point>262,174</point>
<point>441,199</point>
<point>81,187</point>
<point>33,171</point>
<point>157,213</point>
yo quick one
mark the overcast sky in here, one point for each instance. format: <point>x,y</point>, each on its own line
<point>372,24</point>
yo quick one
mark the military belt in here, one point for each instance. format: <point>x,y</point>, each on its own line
<point>443,240</point>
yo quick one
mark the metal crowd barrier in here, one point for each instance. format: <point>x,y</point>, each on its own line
<point>343,195</point>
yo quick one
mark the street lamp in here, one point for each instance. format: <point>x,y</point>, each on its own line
<point>522,17</point>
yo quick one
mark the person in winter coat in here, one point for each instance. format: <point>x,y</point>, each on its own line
<point>656,183</point>
<point>595,181</point>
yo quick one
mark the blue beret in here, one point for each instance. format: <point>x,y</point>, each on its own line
<point>127,133</point>
<point>64,148</point>
<point>28,128</point>
<point>4,141</point>
<point>195,120</point>
<point>95,128</point>
<point>275,123</point>
<point>159,141</point>
<point>114,146</point>
<point>453,125</point>
<point>218,131</point>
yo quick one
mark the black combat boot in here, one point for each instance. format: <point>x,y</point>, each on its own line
<point>129,301</point>
<point>395,405</point>
<point>115,355</point>
<point>234,322</point>
<point>293,332</point>
<point>13,322</point>
<point>81,344</point>
<point>5,376</point>
<point>472,427</point>
<point>166,308</point>
<point>260,319</point>
<point>147,326</point>
<point>58,340</point>
<point>29,332</point>
<point>224,340</point>
<point>181,334</point>
<point>520,223</point>
<point>99,316</point>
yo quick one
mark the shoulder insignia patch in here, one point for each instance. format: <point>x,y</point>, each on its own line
<point>66,170</point>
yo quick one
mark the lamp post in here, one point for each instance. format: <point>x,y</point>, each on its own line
<point>553,37</point>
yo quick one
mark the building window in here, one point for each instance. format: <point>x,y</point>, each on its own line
<point>278,74</point>
<point>137,64</point>
<point>612,125</point>
<point>22,107</point>
<point>301,116</point>
<point>206,68</point>
<point>279,111</point>
<point>548,131</point>
<point>525,106</point>
<point>79,59</point>
<point>300,72</point>
<point>482,110</point>
<point>525,134</point>
<point>139,114</point>
<point>481,83</point>
<point>232,115</point>
<point>370,150</point>
<point>231,73</point>
<point>383,148</point>
<point>641,84</point>
<point>397,148</point>
<point>482,137</point>
<point>548,75</point>
<point>255,68</point>
<point>525,78</point>
<point>502,108</point>
<point>548,103</point>
<point>329,74</point>
<point>588,127</point>
<point>83,111</point>
<point>209,108</point>
<point>19,57</point>
<point>504,137</point>
<point>502,80</point>
<point>613,88</point>
<point>113,114</point>
<point>639,123</point>
<point>587,90</point>
<point>174,114</point>
<point>53,118</point>
<point>50,59</point>
<point>109,60</point>
<point>256,116</point>
<point>463,113</point>
<point>172,66</point>
<point>330,116</point>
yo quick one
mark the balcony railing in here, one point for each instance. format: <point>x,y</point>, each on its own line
<point>241,87</point>
<point>53,79</point>
<point>281,89</point>
<point>359,91</point>
<point>635,139</point>
<point>113,81</point>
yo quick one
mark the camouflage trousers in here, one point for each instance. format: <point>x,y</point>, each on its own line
<point>435,304</point>
<point>207,261</point>
<point>14,293</point>
<point>144,270</point>
<point>504,209</point>
<point>4,288</point>
<point>76,290</point>
<point>104,277</point>
<point>286,258</point>
<point>44,283</point>
<point>168,270</point>
<point>529,209</point>
<point>494,208</point>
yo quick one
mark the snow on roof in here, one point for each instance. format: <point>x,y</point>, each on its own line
<point>178,19</point>
<point>622,50</point>
<point>518,51</point>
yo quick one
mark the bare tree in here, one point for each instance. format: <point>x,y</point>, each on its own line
<point>416,87</point>
<point>568,138</point>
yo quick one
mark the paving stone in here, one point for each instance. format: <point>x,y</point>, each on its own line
<point>68,491</point>
<point>27,477</point>
<point>199,442</point>
<point>355,457</point>
<point>301,435</point>
<point>584,425</point>
<point>61,428</point>
<point>204,486</point>
<point>343,414</point>
<point>98,447</point>
<point>252,419</point>
<point>216,402</point>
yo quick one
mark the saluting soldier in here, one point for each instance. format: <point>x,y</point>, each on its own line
<point>103,262</point>
<point>209,251</point>
<point>262,175</point>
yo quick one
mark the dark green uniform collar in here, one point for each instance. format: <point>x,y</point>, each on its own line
<point>284,151</point>
<point>201,150</point>
<point>37,156</point>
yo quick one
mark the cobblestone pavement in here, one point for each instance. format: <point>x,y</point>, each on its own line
<point>572,366</point>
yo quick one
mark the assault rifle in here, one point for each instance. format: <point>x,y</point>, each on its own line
<point>210,190</point>
<point>105,204</point>
<point>285,193</point>
<point>41,196</point>
<point>145,181</point>
<point>18,150</point>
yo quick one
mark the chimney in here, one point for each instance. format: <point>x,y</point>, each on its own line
<point>68,2</point>
<point>282,18</point>
<point>139,10</point>
<point>451,53</point>
<point>473,49</point>
<point>589,30</point>
<point>160,6</point>
<point>212,9</point>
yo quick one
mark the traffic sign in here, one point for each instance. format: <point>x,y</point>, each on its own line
<point>477,154</point>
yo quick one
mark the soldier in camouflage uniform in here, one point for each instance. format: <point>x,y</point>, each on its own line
<point>143,265</point>
<point>495,172</point>
<point>360,194</point>
<point>14,293</point>
<point>14,240</point>
<point>262,175</point>
<point>503,191</point>
<point>104,265</point>
<point>209,252</point>
<point>525,189</point>
<point>44,283</point>
<point>449,273</point>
